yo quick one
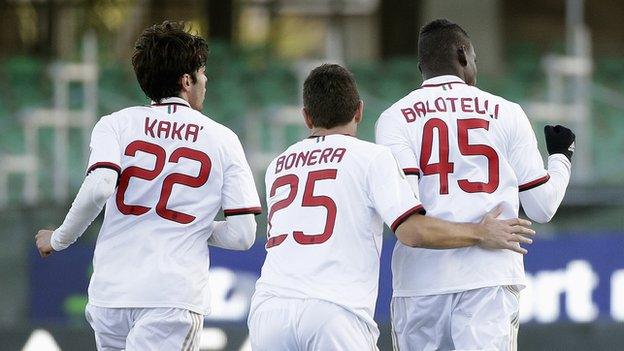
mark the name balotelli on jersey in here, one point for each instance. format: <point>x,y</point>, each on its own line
<point>451,104</point>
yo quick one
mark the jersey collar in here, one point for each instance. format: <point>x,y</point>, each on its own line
<point>323,136</point>
<point>442,80</point>
<point>174,100</point>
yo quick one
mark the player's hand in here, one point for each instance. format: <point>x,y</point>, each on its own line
<point>43,242</point>
<point>507,233</point>
<point>559,140</point>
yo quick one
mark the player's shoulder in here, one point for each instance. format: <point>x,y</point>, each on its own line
<point>113,119</point>
<point>214,126</point>
<point>393,112</point>
<point>216,130</point>
<point>497,99</point>
<point>366,147</point>
<point>123,115</point>
<point>374,157</point>
<point>365,152</point>
<point>511,111</point>
<point>130,111</point>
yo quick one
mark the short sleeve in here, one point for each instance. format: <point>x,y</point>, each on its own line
<point>524,156</point>
<point>391,133</point>
<point>389,191</point>
<point>239,194</point>
<point>105,149</point>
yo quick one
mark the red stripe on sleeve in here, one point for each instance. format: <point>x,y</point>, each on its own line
<point>411,171</point>
<point>416,209</point>
<point>242,211</point>
<point>537,182</point>
<point>109,165</point>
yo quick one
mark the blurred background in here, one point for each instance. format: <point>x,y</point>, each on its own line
<point>66,63</point>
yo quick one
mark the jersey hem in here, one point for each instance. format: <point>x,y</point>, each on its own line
<point>409,293</point>
<point>265,295</point>
<point>184,306</point>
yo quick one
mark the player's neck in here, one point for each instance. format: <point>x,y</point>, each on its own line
<point>431,74</point>
<point>184,96</point>
<point>348,129</point>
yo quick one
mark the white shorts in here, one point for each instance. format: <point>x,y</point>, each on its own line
<point>143,329</point>
<point>287,324</point>
<point>480,319</point>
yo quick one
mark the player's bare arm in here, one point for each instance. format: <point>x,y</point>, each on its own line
<point>491,233</point>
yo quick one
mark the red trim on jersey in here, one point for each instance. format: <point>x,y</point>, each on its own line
<point>275,240</point>
<point>440,84</point>
<point>242,211</point>
<point>170,103</point>
<point>537,182</point>
<point>108,165</point>
<point>322,136</point>
<point>416,209</point>
<point>412,171</point>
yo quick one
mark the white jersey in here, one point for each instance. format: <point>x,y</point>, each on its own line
<point>328,198</point>
<point>472,151</point>
<point>177,168</point>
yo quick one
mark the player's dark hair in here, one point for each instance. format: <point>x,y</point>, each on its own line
<point>162,54</point>
<point>437,44</point>
<point>330,96</point>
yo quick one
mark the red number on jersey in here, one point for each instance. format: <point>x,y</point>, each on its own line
<point>309,200</point>
<point>169,181</point>
<point>463,126</point>
<point>184,179</point>
<point>140,173</point>
<point>293,181</point>
<point>443,168</point>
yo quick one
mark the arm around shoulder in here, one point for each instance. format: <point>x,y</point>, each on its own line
<point>490,233</point>
<point>433,233</point>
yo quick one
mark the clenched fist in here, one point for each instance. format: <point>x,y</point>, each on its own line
<point>559,140</point>
<point>43,242</point>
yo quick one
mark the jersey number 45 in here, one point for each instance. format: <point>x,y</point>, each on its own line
<point>444,167</point>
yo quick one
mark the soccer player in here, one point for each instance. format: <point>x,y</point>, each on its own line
<point>164,171</point>
<point>464,152</point>
<point>328,196</point>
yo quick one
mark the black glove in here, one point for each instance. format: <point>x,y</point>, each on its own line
<point>559,140</point>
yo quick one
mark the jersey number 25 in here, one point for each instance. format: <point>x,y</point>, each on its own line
<point>309,200</point>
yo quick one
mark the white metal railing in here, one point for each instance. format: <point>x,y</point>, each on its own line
<point>569,81</point>
<point>61,118</point>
